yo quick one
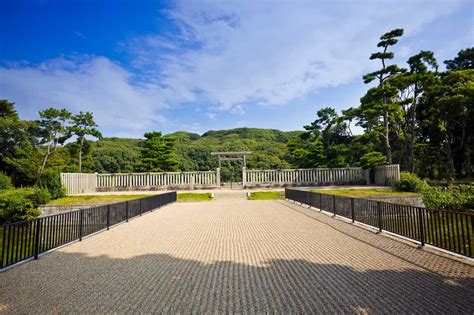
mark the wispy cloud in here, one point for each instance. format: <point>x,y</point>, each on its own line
<point>235,53</point>
<point>85,84</point>
<point>227,55</point>
<point>80,35</point>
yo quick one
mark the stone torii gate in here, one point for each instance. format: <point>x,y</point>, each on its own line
<point>233,156</point>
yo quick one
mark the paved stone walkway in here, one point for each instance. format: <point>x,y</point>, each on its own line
<point>234,255</point>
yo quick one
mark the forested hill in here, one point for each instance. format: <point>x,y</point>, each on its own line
<point>193,150</point>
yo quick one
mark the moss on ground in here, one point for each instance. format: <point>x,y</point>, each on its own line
<point>363,192</point>
<point>185,197</point>
<point>266,195</point>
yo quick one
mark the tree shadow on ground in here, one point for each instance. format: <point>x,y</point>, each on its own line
<point>75,283</point>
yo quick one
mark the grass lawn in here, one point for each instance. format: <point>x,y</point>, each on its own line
<point>361,193</point>
<point>266,195</point>
<point>94,200</point>
<point>185,197</point>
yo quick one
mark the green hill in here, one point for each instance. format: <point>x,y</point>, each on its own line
<point>268,147</point>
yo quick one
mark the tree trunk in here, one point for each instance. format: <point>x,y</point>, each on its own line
<point>80,155</point>
<point>387,141</point>
<point>468,160</point>
<point>412,153</point>
<point>449,154</point>
<point>43,165</point>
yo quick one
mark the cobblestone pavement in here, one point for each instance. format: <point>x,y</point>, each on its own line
<point>234,255</point>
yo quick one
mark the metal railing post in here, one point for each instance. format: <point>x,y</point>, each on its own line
<point>352,210</point>
<point>3,247</point>
<point>422,230</point>
<point>320,201</point>
<point>126,211</point>
<point>37,238</point>
<point>140,206</point>
<point>379,214</point>
<point>108,217</point>
<point>334,204</point>
<point>81,223</point>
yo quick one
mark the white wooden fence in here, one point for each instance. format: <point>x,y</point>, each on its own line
<point>89,183</point>
<point>304,176</point>
<point>79,183</point>
<point>387,174</point>
<point>76,183</point>
<point>157,179</point>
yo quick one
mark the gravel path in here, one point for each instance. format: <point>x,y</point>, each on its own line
<point>234,255</point>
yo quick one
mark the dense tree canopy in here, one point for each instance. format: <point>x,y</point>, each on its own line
<point>158,153</point>
<point>417,117</point>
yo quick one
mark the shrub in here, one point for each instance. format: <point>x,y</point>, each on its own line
<point>51,180</point>
<point>40,196</point>
<point>454,198</point>
<point>411,183</point>
<point>5,182</point>
<point>372,159</point>
<point>17,205</point>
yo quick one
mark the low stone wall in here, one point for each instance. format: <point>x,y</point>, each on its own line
<point>56,209</point>
<point>414,201</point>
<point>153,188</point>
<point>318,184</point>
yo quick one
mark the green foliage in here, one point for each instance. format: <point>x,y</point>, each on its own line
<point>372,159</point>
<point>41,196</point>
<point>306,153</point>
<point>52,130</point>
<point>51,181</point>
<point>411,183</point>
<point>463,61</point>
<point>376,111</point>
<point>95,199</point>
<point>115,155</point>
<point>268,146</point>
<point>5,182</point>
<point>158,153</point>
<point>19,204</point>
<point>326,142</point>
<point>454,198</point>
<point>83,125</point>
<point>363,193</point>
<point>186,197</point>
<point>18,155</point>
<point>266,195</point>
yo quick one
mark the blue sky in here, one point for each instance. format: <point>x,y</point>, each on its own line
<point>202,65</point>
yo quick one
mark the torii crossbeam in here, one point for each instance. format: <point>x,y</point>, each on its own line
<point>232,156</point>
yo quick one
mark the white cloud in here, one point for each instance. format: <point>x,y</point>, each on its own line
<point>232,53</point>
<point>211,116</point>
<point>88,84</point>
<point>227,56</point>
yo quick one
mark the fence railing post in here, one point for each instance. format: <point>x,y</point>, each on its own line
<point>3,247</point>
<point>334,204</point>
<point>37,237</point>
<point>81,223</point>
<point>352,210</point>
<point>126,211</point>
<point>320,201</point>
<point>379,215</point>
<point>422,229</point>
<point>108,217</point>
<point>140,206</point>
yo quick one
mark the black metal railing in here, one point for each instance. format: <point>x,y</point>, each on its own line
<point>27,239</point>
<point>449,230</point>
